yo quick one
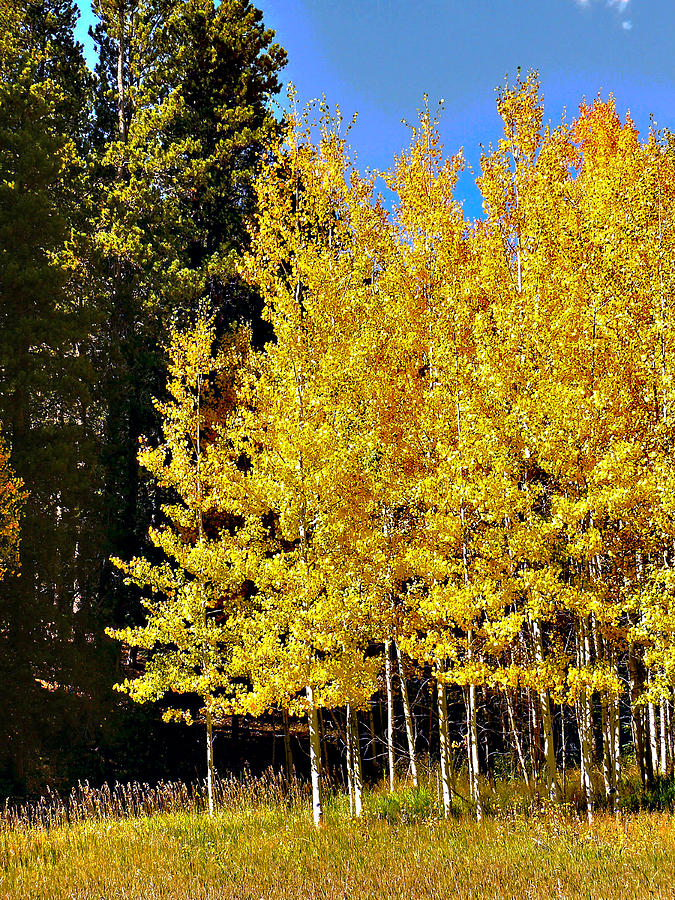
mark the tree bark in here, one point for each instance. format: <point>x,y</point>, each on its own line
<point>446,787</point>
<point>356,776</point>
<point>209,758</point>
<point>350,761</point>
<point>472,746</point>
<point>550,768</point>
<point>663,713</point>
<point>407,714</point>
<point>636,718</point>
<point>584,718</point>
<point>516,740</point>
<point>315,758</point>
<point>608,753</point>
<point>653,741</point>
<point>390,713</point>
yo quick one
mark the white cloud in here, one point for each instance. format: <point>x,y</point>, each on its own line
<point>620,7</point>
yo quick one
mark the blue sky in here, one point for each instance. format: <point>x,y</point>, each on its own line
<point>379,58</point>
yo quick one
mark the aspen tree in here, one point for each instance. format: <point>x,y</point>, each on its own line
<point>514,179</point>
<point>407,715</point>
<point>304,648</point>
<point>188,638</point>
<point>431,294</point>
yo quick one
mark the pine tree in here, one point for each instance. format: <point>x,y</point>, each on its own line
<point>45,384</point>
<point>180,138</point>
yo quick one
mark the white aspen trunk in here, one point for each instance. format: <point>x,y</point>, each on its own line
<point>315,758</point>
<point>651,724</point>
<point>472,747</point>
<point>357,770</point>
<point>563,748</point>
<point>636,712</point>
<point>390,713</point>
<point>615,714</point>
<point>608,750</point>
<point>446,788</point>
<point>209,759</point>
<point>550,768</point>
<point>516,740</point>
<point>663,711</point>
<point>533,736</point>
<point>653,743</point>
<point>350,759</point>
<point>584,717</point>
<point>609,744</point>
<point>669,738</point>
<point>407,714</point>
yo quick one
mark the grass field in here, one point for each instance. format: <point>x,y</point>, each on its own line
<point>266,847</point>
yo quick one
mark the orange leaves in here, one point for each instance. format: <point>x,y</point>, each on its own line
<point>11,503</point>
<point>601,135</point>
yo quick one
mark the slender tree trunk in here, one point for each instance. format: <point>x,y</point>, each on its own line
<point>315,758</point>
<point>407,714</point>
<point>431,716</point>
<point>390,713</point>
<point>350,760</point>
<point>663,711</point>
<point>609,744</point>
<point>563,748</point>
<point>209,758</point>
<point>653,741</point>
<point>671,738</point>
<point>547,726</point>
<point>354,755</point>
<point>636,713</point>
<point>615,718</point>
<point>472,746</point>
<point>608,753</point>
<point>446,787</point>
<point>533,736</point>
<point>584,718</point>
<point>516,739</point>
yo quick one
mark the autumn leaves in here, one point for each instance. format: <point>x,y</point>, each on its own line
<point>457,447</point>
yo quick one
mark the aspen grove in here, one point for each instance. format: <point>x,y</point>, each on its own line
<point>454,456</point>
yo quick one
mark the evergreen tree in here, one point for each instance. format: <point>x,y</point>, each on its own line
<point>182,122</point>
<point>45,381</point>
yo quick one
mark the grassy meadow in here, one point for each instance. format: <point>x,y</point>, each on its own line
<point>262,844</point>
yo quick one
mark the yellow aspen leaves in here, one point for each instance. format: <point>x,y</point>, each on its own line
<point>458,438</point>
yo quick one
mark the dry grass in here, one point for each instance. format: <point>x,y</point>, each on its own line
<point>262,844</point>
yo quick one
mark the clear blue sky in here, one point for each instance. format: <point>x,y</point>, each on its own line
<point>379,57</point>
